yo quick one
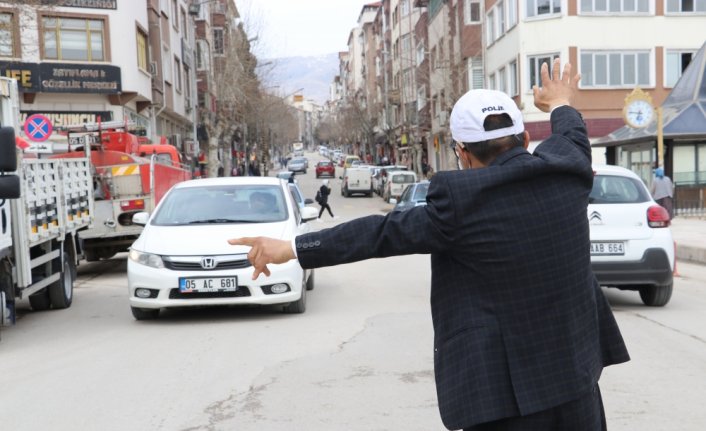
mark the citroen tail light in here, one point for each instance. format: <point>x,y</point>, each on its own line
<point>657,216</point>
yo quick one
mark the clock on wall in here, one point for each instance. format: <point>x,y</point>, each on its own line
<point>638,111</point>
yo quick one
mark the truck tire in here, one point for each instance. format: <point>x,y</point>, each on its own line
<point>144,313</point>
<point>40,301</point>
<point>656,296</point>
<point>61,292</point>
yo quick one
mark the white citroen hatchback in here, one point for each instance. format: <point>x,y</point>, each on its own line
<point>182,258</point>
<point>631,242</point>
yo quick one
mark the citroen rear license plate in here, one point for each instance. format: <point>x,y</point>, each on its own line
<point>208,284</point>
<point>607,248</point>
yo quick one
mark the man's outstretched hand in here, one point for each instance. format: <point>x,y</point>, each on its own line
<point>556,90</point>
<point>264,251</point>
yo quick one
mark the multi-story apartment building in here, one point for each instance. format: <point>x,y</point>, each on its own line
<point>77,61</point>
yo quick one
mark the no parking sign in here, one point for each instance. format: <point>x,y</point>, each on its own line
<point>38,128</point>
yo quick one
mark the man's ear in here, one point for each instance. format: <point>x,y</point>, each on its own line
<point>526,136</point>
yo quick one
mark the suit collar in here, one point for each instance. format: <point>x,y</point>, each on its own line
<point>509,155</point>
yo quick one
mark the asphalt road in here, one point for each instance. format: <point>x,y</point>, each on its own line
<point>360,358</point>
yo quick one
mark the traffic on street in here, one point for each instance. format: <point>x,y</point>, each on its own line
<point>367,325</point>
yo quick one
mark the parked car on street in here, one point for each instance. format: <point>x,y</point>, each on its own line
<point>396,182</point>
<point>414,195</point>
<point>182,259</point>
<point>380,177</point>
<point>356,180</point>
<point>631,241</point>
<point>297,164</point>
<point>325,168</point>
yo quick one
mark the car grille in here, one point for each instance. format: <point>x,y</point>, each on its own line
<point>196,266</point>
<point>176,294</point>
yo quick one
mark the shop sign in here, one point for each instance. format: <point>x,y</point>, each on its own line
<point>61,118</point>
<point>63,77</point>
<point>90,4</point>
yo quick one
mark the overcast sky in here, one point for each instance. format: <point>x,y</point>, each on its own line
<point>287,28</point>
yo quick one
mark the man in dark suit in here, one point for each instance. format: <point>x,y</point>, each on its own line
<point>522,330</point>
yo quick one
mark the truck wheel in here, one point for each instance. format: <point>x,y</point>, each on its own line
<point>40,301</point>
<point>144,313</point>
<point>656,296</point>
<point>61,292</point>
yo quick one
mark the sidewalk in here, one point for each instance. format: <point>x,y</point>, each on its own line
<point>690,235</point>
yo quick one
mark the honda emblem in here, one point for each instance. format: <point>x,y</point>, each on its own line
<point>208,262</point>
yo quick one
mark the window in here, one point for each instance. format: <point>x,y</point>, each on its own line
<point>404,7</point>
<point>535,65</point>
<point>676,64</point>
<point>187,87</point>
<point>475,73</point>
<point>491,82</point>
<point>511,13</point>
<point>615,69</point>
<point>406,43</point>
<point>471,11</point>
<point>73,39</point>
<point>420,54</point>
<point>142,50</point>
<point>218,41</point>
<point>7,35</point>
<point>175,15</point>
<point>166,64</point>
<point>490,20</point>
<point>177,74</point>
<point>678,6</point>
<point>613,6</point>
<point>543,7</point>
<point>203,61</point>
<point>501,80</point>
<point>184,27</point>
<point>500,16</point>
<point>513,90</point>
<point>421,98</point>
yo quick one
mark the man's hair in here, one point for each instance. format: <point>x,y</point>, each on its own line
<point>487,151</point>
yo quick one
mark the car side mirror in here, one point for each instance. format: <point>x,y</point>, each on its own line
<point>393,201</point>
<point>309,213</point>
<point>308,201</point>
<point>141,218</point>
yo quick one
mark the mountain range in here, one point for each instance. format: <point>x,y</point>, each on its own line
<point>314,74</point>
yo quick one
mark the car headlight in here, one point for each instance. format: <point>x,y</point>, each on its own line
<point>148,259</point>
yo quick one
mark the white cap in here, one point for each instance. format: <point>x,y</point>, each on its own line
<point>325,182</point>
<point>472,108</point>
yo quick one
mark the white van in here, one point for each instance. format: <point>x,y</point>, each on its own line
<point>356,180</point>
<point>396,183</point>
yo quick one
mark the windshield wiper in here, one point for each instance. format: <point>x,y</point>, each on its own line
<point>222,220</point>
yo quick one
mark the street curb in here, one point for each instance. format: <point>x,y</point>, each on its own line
<point>691,254</point>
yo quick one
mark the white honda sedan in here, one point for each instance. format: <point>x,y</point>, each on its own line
<point>631,242</point>
<point>183,259</point>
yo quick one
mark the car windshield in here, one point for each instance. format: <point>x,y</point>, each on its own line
<point>222,204</point>
<point>324,164</point>
<point>611,189</point>
<point>402,179</point>
<point>420,192</point>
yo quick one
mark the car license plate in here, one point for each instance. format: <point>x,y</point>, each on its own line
<point>208,284</point>
<point>607,248</point>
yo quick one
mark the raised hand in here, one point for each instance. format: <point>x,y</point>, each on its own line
<point>556,90</point>
<point>265,251</point>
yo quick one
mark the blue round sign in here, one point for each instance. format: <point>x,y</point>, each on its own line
<point>38,127</point>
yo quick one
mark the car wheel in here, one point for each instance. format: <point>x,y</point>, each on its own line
<point>656,296</point>
<point>145,313</point>
<point>40,301</point>
<point>61,292</point>
<point>310,281</point>
<point>298,307</point>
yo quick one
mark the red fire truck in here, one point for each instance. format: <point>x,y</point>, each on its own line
<point>130,175</point>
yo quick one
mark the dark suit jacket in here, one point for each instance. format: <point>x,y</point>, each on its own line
<point>520,324</point>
